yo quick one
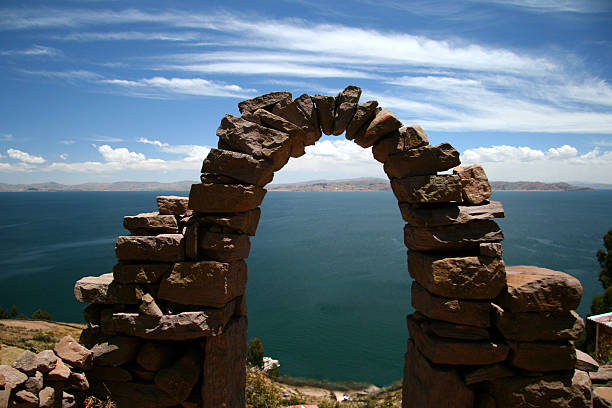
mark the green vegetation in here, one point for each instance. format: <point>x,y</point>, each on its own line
<point>41,315</point>
<point>255,353</point>
<point>261,392</point>
<point>13,313</point>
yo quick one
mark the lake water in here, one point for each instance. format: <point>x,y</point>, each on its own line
<point>328,285</point>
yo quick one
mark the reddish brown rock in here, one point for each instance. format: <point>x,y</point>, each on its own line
<point>181,326</point>
<point>452,237</point>
<point>533,326</point>
<point>242,223</point>
<point>206,283</point>
<point>602,397</point>
<point>149,306</point>
<point>266,101</point>
<point>224,371</point>
<point>475,187</point>
<point>433,215</point>
<point>455,331</point>
<point>558,391</point>
<point>115,351</point>
<point>135,394</point>
<point>13,378</point>
<point>103,290</point>
<point>466,277</point>
<point>534,289</point>
<point>460,311</point>
<point>26,363</point>
<point>154,356</point>
<point>491,249</point>
<point>325,112</point>
<point>383,123</point>
<point>173,205</point>
<point>46,361</point>
<point>364,113</point>
<point>78,381</point>
<point>242,136</point>
<point>159,248</point>
<point>150,224</point>
<point>290,111</point>
<point>225,198</point>
<point>113,374</point>
<point>306,105</point>
<point>422,161</point>
<point>487,373</point>
<point>296,134</point>
<point>585,362</point>
<point>402,140</point>
<point>126,273</point>
<point>179,379</point>
<point>34,383</point>
<point>25,399</point>
<point>69,350</point>
<point>440,350</point>
<point>224,247</point>
<point>60,372</point>
<point>427,189</point>
<point>543,356</point>
<point>602,376</point>
<point>239,166</point>
<point>346,104</point>
<point>429,386</point>
<point>46,398</point>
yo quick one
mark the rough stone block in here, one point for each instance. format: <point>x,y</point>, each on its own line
<point>242,223</point>
<point>103,290</point>
<point>243,136</point>
<point>135,394</point>
<point>266,101</point>
<point>383,123</point>
<point>475,187</point>
<point>150,224</point>
<point>602,397</point>
<point>179,379</point>
<point>239,166</point>
<point>325,112</point>
<point>46,361</point>
<point>455,352</point>
<point>427,189</point>
<point>13,378</point>
<point>34,383</point>
<point>206,283</point>
<point>460,311</point>
<point>290,111</point>
<point>452,237</point>
<point>224,371</point>
<point>346,104</point>
<point>224,247</point>
<point>154,356</point>
<point>543,356</point>
<point>487,373</point>
<point>60,372</point>
<point>25,399</point>
<point>306,105</point>
<point>364,113</point>
<point>534,289</point>
<point>585,362</point>
<point>422,161</point>
<point>69,350</point>
<point>225,198</point>
<point>159,248</point>
<point>173,205</point>
<point>126,273</point>
<point>433,215</point>
<point>26,363</point>
<point>115,351</point>
<point>451,330</point>
<point>534,326</point>
<point>465,277</point>
<point>491,249</point>
<point>402,140</point>
<point>429,386</point>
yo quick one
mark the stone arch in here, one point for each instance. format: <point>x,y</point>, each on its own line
<point>181,276</point>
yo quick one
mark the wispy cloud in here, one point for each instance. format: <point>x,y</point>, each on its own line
<point>129,36</point>
<point>24,157</point>
<point>70,75</point>
<point>6,137</point>
<point>572,6</point>
<point>104,139</point>
<point>191,153</point>
<point>36,50</point>
<point>184,86</point>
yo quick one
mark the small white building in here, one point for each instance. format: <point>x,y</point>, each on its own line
<point>603,336</point>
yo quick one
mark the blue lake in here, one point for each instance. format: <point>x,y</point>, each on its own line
<point>328,285</point>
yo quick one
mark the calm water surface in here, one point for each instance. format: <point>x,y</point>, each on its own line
<point>328,287</point>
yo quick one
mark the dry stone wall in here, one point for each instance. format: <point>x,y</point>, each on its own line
<point>168,326</point>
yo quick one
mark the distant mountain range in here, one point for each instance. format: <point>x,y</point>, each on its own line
<point>356,184</point>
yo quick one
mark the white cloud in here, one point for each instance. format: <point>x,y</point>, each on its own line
<point>6,137</point>
<point>185,86</point>
<point>104,139</point>
<point>192,153</point>
<point>129,36</point>
<point>24,157</point>
<point>36,50</point>
<point>574,6</point>
<point>64,156</point>
<point>72,75</point>
<point>67,142</point>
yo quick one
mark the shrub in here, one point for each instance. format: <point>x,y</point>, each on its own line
<point>255,353</point>
<point>41,315</point>
<point>261,392</point>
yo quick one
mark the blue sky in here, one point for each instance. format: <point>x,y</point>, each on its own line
<point>134,90</point>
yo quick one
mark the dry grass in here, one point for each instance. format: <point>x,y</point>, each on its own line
<point>93,402</point>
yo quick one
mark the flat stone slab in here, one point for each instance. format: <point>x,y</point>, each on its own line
<point>225,198</point>
<point>346,104</point>
<point>602,376</point>
<point>534,289</point>
<point>179,379</point>
<point>104,290</point>
<point>134,394</point>
<point>158,248</point>
<point>383,123</point>
<point>69,350</point>
<point>13,378</point>
<point>543,356</point>
<point>585,362</point>
<point>224,247</point>
<point>427,189</point>
<point>181,326</point>
<point>452,237</point>
<point>173,205</point>
<point>402,140</point>
<point>434,215</point>
<point>534,326</point>
<point>239,166</point>
<point>364,113</point>
<point>422,161</point>
<point>115,351</point>
<point>150,224</point>
<point>451,330</point>
<point>429,386</point>
<point>475,187</point>
<point>126,273</point>
<point>467,277</point>
<point>206,283</point>
<point>243,223</point>
<point>326,106</point>
<point>455,352</point>
<point>266,101</point>
<point>453,310</point>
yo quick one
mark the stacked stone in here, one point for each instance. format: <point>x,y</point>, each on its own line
<point>49,379</point>
<point>158,325</point>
